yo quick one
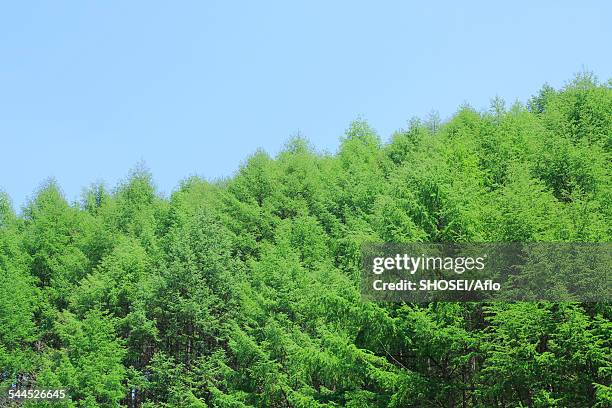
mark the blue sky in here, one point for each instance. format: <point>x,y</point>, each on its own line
<point>89,89</point>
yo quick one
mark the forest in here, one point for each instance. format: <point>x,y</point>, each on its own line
<point>244,292</point>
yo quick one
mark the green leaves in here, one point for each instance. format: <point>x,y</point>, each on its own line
<point>89,363</point>
<point>245,292</point>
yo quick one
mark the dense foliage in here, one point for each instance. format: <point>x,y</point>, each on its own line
<point>244,292</point>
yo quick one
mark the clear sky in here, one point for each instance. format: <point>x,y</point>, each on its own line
<point>90,88</point>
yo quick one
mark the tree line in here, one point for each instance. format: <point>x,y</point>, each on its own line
<point>244,292</point>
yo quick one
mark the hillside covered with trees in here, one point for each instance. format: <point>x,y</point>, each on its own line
<point>245,292</point>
